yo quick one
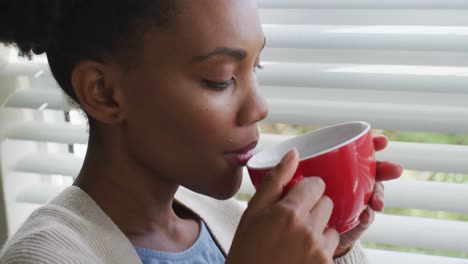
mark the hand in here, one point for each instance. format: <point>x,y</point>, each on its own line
<point>385,171</point>
<point>288,229</point>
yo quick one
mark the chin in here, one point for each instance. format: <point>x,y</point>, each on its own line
<point>228,189</point>
<point>227,194</point>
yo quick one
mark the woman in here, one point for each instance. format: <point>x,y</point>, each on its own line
<point>170,92</point>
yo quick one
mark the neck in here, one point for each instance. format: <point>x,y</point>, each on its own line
<point>137,200</point>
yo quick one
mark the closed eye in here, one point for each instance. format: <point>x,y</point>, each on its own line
<point>219,85</point>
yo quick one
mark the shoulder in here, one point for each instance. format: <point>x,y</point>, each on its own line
<point>48,235</point>
<point>70,229</point>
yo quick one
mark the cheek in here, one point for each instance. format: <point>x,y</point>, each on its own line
<point>180,122</point>
<point>180,133</point>
<point>213,120</point>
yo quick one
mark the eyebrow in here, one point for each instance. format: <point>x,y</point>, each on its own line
<point>238,54</point>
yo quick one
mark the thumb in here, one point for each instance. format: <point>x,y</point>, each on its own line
<point>271,188</point>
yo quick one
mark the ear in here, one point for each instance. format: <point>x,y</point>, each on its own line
<point>99,93</point>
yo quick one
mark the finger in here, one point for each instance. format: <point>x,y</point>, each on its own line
<point>366,218</point>
<point>271,187</point>
<point>305,194</point>
<point>380,142</point>
<point>332,239</point>
<point>388,171</point>
<point>377,200</point>
<point>320,214</point>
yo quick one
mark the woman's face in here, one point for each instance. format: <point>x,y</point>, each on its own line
<point>193,98</point>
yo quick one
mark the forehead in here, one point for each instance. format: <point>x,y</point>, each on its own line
<point>206,24</point>
<point>199,27</point>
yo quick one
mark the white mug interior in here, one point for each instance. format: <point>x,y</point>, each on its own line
<point>310,144</point>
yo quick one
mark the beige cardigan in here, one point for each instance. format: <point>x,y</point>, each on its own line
<point>73,229</point>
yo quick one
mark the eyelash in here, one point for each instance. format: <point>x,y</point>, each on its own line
<point>219,85</point>
<point>258,67</point>
<point>225,85</point>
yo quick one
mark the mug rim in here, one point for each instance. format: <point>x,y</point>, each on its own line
<point>337,146</point>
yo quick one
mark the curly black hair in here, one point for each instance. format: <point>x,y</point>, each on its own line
<point>70,31</point>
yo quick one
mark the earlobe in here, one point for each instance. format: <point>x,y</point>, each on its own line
<point>97,89</point>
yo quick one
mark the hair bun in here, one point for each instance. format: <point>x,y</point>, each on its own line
<point>30,24</point>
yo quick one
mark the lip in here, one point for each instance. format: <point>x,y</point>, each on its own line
<point>250,146</point>
<point>241,156</point>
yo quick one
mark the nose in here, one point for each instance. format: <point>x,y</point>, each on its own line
<point>253,107</point>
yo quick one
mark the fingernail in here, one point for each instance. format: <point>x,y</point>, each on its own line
<point>365,217</point>
<point>380,197</point>
<point>378,200</point>
<point>288,157</point>
<point>316,179</point>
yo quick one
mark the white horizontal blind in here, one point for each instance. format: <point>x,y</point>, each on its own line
<point>388,62</point>
<point>400,65</point>
<point>364,4</point>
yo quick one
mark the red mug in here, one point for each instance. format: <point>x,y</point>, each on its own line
<point>342,155</point>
